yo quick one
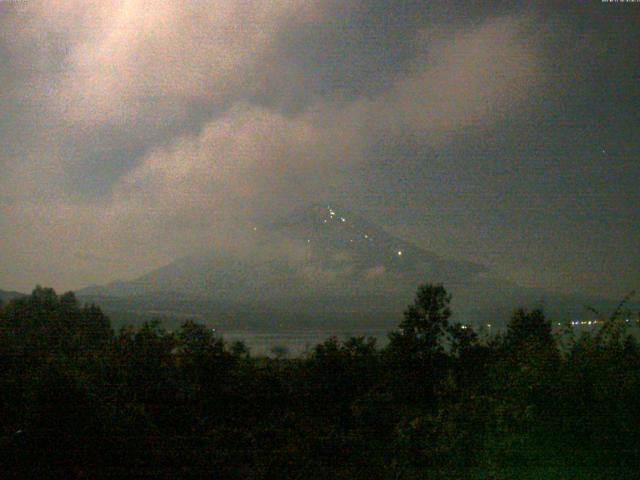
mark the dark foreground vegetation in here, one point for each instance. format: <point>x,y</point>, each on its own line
<point>80,401</point>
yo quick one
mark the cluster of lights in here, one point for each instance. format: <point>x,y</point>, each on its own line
<point>577,323</point>
<point>585,322</point>
<point>573,323</point>
<point>590,322</point>
<point>333,215</point>
<point>465,327</point>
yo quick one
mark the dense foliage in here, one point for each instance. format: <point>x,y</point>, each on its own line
<point>78,400</point>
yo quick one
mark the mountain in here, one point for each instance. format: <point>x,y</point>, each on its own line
<point>6,296</point>
<point>321,265</point>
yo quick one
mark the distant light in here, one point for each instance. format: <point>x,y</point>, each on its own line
<point>464,327</point>
<point>255,228</point>
<point>489,325</point>
<point>325,221</point>
<point>343,219</point>
<point>308,241</point>
<point>399,253</point>
<point>366,236</point>
<point>351,240</point>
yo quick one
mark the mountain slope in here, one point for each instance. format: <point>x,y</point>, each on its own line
<point>6,296</point>
<point>323,264</point>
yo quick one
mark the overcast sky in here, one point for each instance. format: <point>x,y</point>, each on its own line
<point>134,132</point>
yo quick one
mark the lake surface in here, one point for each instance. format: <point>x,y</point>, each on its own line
<point>296,342</point>
<point>299,342</point>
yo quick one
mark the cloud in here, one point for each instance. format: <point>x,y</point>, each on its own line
<point>142,68</point>
<point>253,159</point>
<point>117,55</point>
<point>460,80</point>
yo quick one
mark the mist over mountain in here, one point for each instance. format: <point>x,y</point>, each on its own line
<point>322,265</point>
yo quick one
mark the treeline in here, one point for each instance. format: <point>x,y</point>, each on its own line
<point>78,400</point>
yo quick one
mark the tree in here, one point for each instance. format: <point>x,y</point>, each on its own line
<point>45,323</point>
<point>463,338</point>
<point>425,322</point>
<point>526,373</point>
<point>198,341</point>
<point>416,358</point>
<point>240,349</point>
<point>527,327</point>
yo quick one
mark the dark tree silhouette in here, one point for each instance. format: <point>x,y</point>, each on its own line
<point>527,327</point>
<point>425,322</point>
<point>437,402</point>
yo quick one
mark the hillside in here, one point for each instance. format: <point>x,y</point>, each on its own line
<point>322,265</point>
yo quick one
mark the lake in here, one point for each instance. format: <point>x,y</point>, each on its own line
<point>296,342</point>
